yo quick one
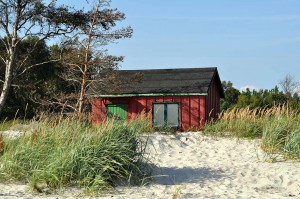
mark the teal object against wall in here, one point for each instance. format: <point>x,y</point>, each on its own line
<point>116,111</point>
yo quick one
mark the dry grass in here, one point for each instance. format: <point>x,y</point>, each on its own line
<point>277,126</point>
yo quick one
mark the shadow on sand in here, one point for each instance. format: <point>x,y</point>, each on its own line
<point>175,175</point>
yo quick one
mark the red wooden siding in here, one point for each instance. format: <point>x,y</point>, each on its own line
<point>194,111</point>
<point>191,108</point>
<point>185,116</point>
<point>213,102</point>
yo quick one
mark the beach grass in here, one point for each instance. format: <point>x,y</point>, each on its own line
<point>63,152</point>
<point>8,124</point>
<point>278,127</point>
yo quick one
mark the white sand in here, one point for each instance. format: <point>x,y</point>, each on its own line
<point>11,134</point>
<point>190,165</point>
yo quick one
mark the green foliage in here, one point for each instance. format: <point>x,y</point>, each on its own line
<point>256,99</point>
<point>261,98</point>
<point>231,95</point>
<point>63,152</point>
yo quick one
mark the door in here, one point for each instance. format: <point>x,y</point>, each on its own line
<point>116,111</point>
<point>166,114</point>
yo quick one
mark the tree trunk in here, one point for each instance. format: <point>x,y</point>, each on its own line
<point>84,77</point>
<point>86,62</point>
<point>10,62</point>
<point>82,91</point>
<point>7,81</point>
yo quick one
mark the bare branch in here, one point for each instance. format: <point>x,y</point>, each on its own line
<point>30,52</point>
<point>72,80</point>
<point>57,102</point>
<point>77,66</point>
<point>26,34</point>
<point>2,59</point>
<point>4,27</point>
<point>13,85</point>
<point>289,85</point>
<point>34,65</point>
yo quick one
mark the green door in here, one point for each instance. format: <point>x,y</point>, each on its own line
<point>116,111</point>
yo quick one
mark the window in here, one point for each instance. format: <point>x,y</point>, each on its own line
<point>165,114</point>
<point>116,111</point>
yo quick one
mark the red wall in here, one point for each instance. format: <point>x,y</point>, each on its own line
<point>213,102</point>
<point>191,108</point>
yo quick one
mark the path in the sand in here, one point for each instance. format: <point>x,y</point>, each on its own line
<point>190,165</point>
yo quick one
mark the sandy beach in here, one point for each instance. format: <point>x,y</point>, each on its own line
<point>190,165</point>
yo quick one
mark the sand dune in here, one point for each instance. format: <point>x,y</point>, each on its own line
<point>190,165</point>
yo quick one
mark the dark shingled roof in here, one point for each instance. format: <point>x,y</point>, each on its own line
<point>167,81</point>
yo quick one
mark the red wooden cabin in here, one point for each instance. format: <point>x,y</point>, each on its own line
<point>182,98</point>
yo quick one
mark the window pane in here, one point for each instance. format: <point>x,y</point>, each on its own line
<point>158,114</point>
<point>172,119</point>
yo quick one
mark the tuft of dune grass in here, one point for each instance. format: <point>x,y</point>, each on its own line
<point>64,152</point>
<point>278,127</point>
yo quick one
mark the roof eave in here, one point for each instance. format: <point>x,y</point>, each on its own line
<point>149,94</point>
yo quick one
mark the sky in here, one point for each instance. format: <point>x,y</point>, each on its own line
<point>253,43</point>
